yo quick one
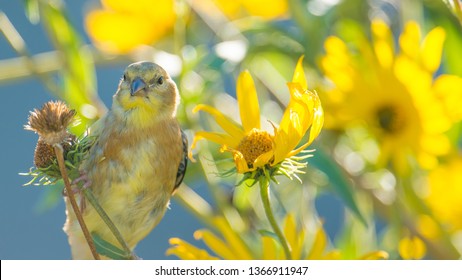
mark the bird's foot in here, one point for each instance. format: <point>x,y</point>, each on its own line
<point>83,178</point>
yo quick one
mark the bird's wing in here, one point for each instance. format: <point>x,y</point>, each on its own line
<point>183,163</point>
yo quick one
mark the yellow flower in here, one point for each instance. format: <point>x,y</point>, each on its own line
<point>445,194</point>
<point>394,95</point>
<point>121,26</point>
<point>253,148</point>
<point>232,247</point>
<point>266,9</point>
<point>412,248</point>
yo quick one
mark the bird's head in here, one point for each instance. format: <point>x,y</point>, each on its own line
<point>146,93</point>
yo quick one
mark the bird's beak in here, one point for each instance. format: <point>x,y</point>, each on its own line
<point>137,86</point>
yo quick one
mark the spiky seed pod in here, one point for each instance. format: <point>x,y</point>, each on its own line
<point>44,154</point>
<point>51,122</point>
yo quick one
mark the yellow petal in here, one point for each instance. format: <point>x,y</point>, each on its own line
<point>383,43</point>
<point>266,9</point>
<point>448,89</point>
<point>409,40</point>
<point>215,244</point>
<point>290,232</point>
<point>219,138</point>
<point>233,239</point>
<point>263,159</point>
<point>120,33</point>
<point>432,49</point>
<point>248,102</point>
<point>269,248</point>
<point>239,161</point>
<point>333,255</point>
<point>319,245</point>
<point>186,251</point>
<point>163,13</point>
<point>299,74</point>
<point>294,123</point>
<point>318,120</point>
<point>303,113</point>
<point>378,255</point>
<point>226,123</point>
<point>412,248</point>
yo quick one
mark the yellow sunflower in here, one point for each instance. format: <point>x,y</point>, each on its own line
<point>394,95</point>
<point>255,149</point>
<point>121,26</point>
<point>266,9</point>
<point>232,246</point>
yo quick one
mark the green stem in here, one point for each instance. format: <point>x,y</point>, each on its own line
<point>265,192</point>
<point>105,217</point>
<point>59,155</point>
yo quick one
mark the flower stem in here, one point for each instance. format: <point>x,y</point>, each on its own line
<point>265,192</point>
<point>107,220</point>
<point>59,155</point>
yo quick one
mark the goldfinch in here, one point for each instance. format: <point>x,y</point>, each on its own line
<point>138,159</point>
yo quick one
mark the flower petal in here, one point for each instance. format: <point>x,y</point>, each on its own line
<point>105,27</point>
<point>377,255</point>
<point>226,123</point>
<point>263,159</point>
<point>294,123</point>
<point>186,251</point>
<point>219,138</point>
<point>409,40</point>
<point>299,74</point>
<point>241,163</point>
<point>383,43</point>
<point>319,245</point>
<point>316,126</point>
<point>269,248</point>
<point>412,248</point>
<point>291,234</point>
<point>233,239</point>
<point>432,49</point>
<point>304,110</point>
<point>248,102</point>
<point>215,244</point>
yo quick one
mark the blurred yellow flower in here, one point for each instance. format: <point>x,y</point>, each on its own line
<point>412,248</point>
<point>232,247</point>
<point>445,194</point>
<point>394,95</point>
<point>266,9</point>
<point>121,26</point>
<point>255,149</point>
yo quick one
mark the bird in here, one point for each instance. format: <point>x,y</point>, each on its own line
<point>137,161</point>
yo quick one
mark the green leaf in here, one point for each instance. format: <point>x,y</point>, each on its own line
<point>78,74</point>
<point>339,184</point>
<point>268,233</point>
<point>107,249</point>
<point>31,8</point>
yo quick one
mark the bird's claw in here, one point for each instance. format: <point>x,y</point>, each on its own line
<point>83,178</point>
<point>78,190</point>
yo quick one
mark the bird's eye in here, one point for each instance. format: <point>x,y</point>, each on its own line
<point>160,80</point>
<point>125,77</point>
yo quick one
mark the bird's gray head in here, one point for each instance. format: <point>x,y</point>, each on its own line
<point>147,90</point>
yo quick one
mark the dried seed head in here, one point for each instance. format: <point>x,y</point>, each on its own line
<point>44,153</point>
<point>51,122</point>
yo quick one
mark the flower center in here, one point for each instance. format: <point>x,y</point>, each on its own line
<point>256,143</point>
<point>390,119</point>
